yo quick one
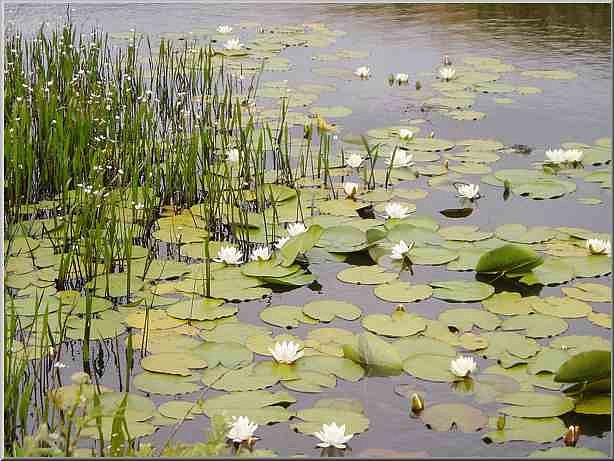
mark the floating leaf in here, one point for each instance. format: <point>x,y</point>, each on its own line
<point>430,367</point>
<point>159,383</point>
<point>172,363</point>
<point>285,316</point>
<point>594,405</point>
<point>560,307</point>
<point>540,430</point>
<point>508,303</point>
<point>402,292</point>
<point>464,319</point>
<point>327,310</point>
<point>568,452</point>
<point>228,355</point>
<point>535,405</point>
<point>327,411</point>
<point>585,366</point>
<point>461,290</point>
<point>376,355</point>
<point>536,325</point>
<point>508,258</point>
<point>201,309</point>
<point>366,275</point>
<point>397,324</point>
<point>589,292</point>
<point>449,416</point>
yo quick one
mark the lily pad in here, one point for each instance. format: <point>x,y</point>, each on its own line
<point>430,367</point>
<point>445,417</point>
<point>461,290</point>
<point>397,324</point>
<point>464,319</point>
<point>366,275</point>
<point>536,325</point>
<point>589,292</point>
<point>540,430</point>
<point>172,363</point>
<point>402,292</point>
<point>535,405</point>
<point>286,316</point>
<point>327,310</point>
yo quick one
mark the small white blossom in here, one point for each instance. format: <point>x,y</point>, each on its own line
<point>470,191</point>
<point>295,229</point>
<point>401,159</point>
<point>396,210</point>
<point>233,44</point>
<point>447,73</point>
<point>224,29</point>
<point>463,366</point>
<point>351,189</point>
<point>400,249</point>
<point>229,255</point>
<point>333,435</point>
<point>286,352</point>
<point>556,156</point>
<point>574,155</point>
<point>405,134</point>
<point>401,78</point>
<point>363,72</point>
<point>261,253</point>
<point>355,160</point>
<point>241,429</point>
<point>599,247</point>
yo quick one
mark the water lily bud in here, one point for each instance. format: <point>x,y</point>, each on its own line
<point>391,79</point>
<point>507,185</point>
<point>417,403</point>
<point>418,85</point>
<point>307,131</point>
<point>399,308</point>
<point>571,436</point>
<point>432,134</point>
<point>501,422</point>
<point>445,164</point>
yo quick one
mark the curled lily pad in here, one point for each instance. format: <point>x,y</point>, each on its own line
<point>585,366</point>
<point>508,258</point>
<point>375,354</point>
<point>327,310</point>
<point>448,416</point>
<point>461,290</point>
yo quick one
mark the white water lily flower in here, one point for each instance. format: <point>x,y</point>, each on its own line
<point>405,135</point>
<point>463,366</point>
<point>286,352</point>
<point>59,365</point>
<point>574,155</point>
<point>232,155</point>
<point>599,247</point>
<point>351,189</point>
<point>233,44</point>
<point>355,160</point>
<point>556,156</point>
<point>295,229</point>
<point>396,210</point>
<point>229,255</point>
<point>401,159</point>
<point>470,191</point>
<point>241,429</point>
<point>447,73</point>
<point>282,242</point>
<point>262,253</point>
<point>402,78</point>
<point>399,250</point>
<point>333,435</point>
<point>363,72</point>
<point>224,29</point>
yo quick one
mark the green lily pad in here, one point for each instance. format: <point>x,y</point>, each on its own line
<point>429,367</point>
<point>585,366</point>
<point>461,290</point>
<point>414,345</point>
<point>341,367</point>
<point>379,357</point>
<point>550,74</point>
<point>536,325</point>
<point>445,417</point>
<point>165,384</point>
<point>540,430</point>
<point>260,406</point>
<point>464,319</point>
<point>553,271</point>
<point>580,343</point>
<point>547,360</point>
<point>242,379</point>
<point>589,292</point>
<point>172,363</point>
<point>366,275</point>
<point>326,411</point>
<point>464,233</point>
<point>591,266</point>
<point>180,409</point>
<point>402,292</point>
<point>327,310</point>
<point>561,307</point>
<point>229,355</point>
<point>519,233</point>
<point>201,309</point>
<point>286,316</point>
<point>508,258</point>
<point>432,256</point>
<point>397,324</point>
<point>508,303</point>
<point>535,405</point>
<point>594,405</point>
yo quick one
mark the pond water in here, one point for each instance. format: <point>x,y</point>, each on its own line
<point>413,39</point>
